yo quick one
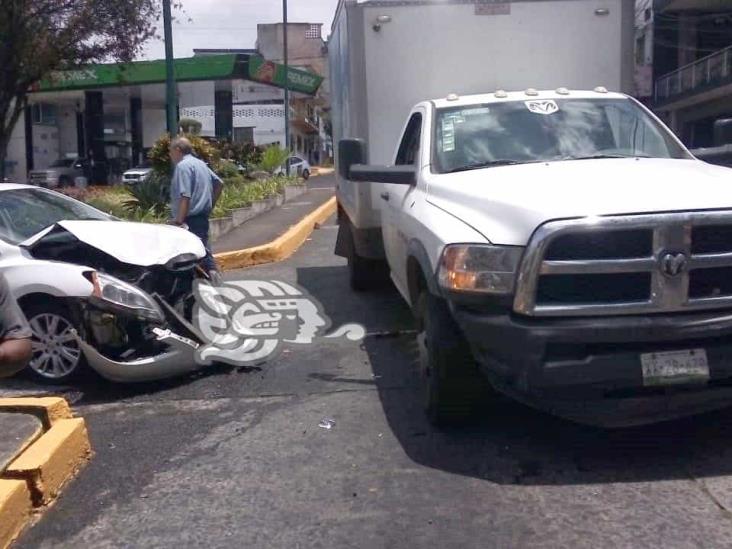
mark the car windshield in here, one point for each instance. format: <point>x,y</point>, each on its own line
<point>520,132</point>
<point>25,212</point>
<point>63,163</point>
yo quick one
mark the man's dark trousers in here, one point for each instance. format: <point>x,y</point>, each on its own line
<point>198,225</point>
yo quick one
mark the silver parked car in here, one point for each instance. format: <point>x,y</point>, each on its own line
<point>62,173</point>
<point>136,175</point>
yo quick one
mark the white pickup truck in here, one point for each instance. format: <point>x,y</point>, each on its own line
<point>565,245</point>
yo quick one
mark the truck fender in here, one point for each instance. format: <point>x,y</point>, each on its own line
<point>419,271</point>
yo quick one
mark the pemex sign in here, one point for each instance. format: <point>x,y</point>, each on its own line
<point>268,72</point>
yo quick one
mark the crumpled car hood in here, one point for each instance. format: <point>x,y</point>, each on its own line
<point>142,244</point>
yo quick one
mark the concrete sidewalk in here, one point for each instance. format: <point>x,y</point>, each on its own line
<point>18,432</point>
<point>270,225</point>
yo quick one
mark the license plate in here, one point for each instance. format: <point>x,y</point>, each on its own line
<point>675,367</point>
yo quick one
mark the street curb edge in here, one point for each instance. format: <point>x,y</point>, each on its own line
<point>281,247</point>
<point>34,478</point>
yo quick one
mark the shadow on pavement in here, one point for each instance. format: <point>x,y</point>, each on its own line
<point>509,443</point>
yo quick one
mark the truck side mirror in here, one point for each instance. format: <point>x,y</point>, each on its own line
<point>723,131</point>
<point>400,175</point>
<point>350,152</point>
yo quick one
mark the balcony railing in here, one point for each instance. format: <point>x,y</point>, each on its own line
<point>704,72</point>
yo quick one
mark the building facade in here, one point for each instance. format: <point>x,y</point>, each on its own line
<point>692,66</point>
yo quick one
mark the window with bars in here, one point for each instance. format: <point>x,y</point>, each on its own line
<point>313,32</point>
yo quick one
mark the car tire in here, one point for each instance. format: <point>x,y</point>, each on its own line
<point>306,174</point>
<point>64,181</point>
<point>57,357</point>
<point>452,387</point>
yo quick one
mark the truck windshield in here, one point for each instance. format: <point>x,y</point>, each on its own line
<point>541,130</point>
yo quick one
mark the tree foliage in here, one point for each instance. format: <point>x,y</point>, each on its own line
<point>38,37</point>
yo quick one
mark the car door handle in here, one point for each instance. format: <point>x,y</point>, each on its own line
<point>385,196</point>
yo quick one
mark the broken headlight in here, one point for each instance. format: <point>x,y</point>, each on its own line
<point>479,268</point>
<point>125,296</point>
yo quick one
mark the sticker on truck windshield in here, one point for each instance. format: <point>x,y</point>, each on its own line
<point>542,107</point>
<point>448,135</point>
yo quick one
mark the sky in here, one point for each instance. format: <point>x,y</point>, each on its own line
<point>233,23</point>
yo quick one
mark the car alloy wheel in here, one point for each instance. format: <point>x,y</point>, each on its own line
<point>56,353</point>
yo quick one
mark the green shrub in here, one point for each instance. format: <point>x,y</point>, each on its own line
<point>190,126</point>
<point>159,154</point>
<point>227,169</point>
<point>150,194</point>
<point>273,157</point>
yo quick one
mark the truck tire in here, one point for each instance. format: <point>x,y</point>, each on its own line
<point>451,383</point>
<point>64,181</point>
<point>363,274</point>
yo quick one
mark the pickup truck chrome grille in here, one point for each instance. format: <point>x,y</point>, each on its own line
<point>626,265</point>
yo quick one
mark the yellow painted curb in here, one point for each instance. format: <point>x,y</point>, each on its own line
<point>15,509</point>
<point>281,247</point>
<point>48,409</point>
<point>52,460</point>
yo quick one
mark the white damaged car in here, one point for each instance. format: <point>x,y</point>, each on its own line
<point>98,292</point>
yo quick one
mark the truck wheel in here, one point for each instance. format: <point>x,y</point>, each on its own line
<point>306,174</point>
<point>57,357</point>
<point>64,181</point>
<point>364,274</point>
<point>451,383</point>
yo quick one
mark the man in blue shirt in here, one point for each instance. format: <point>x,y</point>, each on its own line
<point>194,190</point>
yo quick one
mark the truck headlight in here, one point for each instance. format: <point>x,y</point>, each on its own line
<point>125,296</point>
<point>479,268</point>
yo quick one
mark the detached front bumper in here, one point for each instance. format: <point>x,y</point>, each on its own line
<point>589,369</point>
<point>179,360</point>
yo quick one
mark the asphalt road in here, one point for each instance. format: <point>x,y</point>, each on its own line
<point>235,457</point>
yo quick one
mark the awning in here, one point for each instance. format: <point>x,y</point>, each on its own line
<point>210,67</point>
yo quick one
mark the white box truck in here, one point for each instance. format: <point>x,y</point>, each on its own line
<point>555,239</point>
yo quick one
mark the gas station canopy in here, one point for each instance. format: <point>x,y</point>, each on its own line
<point>190,69</point>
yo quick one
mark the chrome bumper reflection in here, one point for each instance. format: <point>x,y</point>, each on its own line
<point>180,359</point>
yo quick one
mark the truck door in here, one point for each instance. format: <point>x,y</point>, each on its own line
<point>394,198</point>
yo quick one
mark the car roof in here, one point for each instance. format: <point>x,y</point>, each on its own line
<point>526,95</point>
<point>15,186</point>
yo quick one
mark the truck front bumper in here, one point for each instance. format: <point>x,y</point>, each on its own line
<point>589,369</point>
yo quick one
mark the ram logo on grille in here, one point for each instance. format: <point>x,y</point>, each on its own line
<point>673,263</point>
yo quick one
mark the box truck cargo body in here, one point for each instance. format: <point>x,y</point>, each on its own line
<point>386,56</point>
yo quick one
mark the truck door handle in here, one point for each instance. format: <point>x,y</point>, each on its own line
<point>385,196</point>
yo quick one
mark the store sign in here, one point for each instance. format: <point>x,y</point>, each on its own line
<point>269,72</point>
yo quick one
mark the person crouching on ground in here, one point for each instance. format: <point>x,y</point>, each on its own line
<point>194,190</point>
<point>15,334</point>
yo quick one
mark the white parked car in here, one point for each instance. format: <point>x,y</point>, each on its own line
<point>109,294</point>
<point>135,175</point>
<point>298,166</point>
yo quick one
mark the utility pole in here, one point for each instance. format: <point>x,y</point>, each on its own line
<point>287,87</point>
<point>171,97</point>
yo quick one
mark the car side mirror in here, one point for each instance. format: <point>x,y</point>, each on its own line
<point>400,175</point>
<point>350,152</point>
